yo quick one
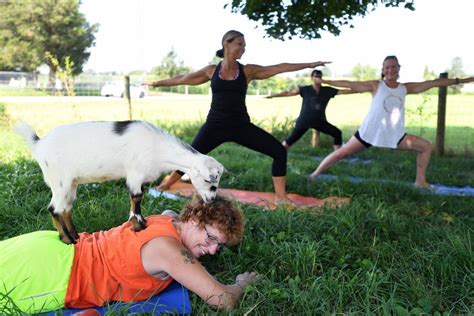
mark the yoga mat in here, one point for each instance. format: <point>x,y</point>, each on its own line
<point>174,299</point>
<point>353,160</point>
<point>262,199</point>
<point>435,188</point>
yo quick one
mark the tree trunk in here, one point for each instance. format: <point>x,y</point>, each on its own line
<point>52,80</point>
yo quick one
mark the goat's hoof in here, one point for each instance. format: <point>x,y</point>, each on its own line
<point>66,239</point>
<point>138,225</point>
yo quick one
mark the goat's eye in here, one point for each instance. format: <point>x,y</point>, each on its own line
<point>213,188</point>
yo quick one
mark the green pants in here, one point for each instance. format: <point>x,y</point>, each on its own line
<point>34,272</point>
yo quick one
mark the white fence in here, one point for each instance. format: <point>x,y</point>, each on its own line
<point>84,85</point>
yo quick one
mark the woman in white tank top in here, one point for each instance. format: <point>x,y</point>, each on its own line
<point>384,125</point>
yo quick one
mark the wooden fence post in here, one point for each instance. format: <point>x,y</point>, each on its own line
<point>315,139</point>
<point>441,126</point>
<point>127,95</point>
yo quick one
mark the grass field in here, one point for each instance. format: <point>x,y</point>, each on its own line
<point>393,250</point>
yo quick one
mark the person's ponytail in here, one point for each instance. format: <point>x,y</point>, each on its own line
<point>220,53</point>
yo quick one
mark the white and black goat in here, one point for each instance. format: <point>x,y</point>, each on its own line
<point>88,152</point>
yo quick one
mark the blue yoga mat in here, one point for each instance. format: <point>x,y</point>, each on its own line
<point>174,299</point>
<point>351,160</point>
<point>436,188</point>
<point>155,193</point>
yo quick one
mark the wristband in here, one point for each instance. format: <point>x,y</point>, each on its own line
<point>457,81</point>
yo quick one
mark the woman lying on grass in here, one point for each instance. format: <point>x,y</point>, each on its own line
<point>41,273</point>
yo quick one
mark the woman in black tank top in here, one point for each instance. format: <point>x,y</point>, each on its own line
<point>228,119</point>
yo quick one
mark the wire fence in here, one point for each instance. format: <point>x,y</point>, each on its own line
<point>91,84</point>
<point>460,109</point>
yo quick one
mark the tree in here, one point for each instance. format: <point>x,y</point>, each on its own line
<point>31,28</point>
<point>364,72</point>
<point>170,66</point>
<point>428,74</point>
<point>456,72</point>
<point>63,74</point>
<point>308,18</point>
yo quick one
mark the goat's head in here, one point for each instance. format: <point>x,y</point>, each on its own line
<point>205,177</point>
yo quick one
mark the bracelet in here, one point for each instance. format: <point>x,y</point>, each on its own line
<point>457,81</point>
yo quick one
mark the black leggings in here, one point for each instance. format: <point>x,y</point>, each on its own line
<point>322,126</point>
<point>248,135</point>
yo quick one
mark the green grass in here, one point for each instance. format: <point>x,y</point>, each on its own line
<point>393,250</point>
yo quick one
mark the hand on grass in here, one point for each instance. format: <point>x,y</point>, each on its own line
<point>246,278</point>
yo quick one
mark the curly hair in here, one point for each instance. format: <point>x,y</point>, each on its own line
<point>220,213</point>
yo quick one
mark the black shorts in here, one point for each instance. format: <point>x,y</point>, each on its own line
<point>367,145</point>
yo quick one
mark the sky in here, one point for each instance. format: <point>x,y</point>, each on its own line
<point>137,34</point>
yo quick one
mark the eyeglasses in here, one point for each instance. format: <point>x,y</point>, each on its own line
<point>213,240</point>
<point>317,77</point>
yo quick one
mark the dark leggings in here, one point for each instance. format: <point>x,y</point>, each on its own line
<point>322,126</point>
<point>248,135</point>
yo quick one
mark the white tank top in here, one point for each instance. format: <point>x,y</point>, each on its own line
<point>384,125</point>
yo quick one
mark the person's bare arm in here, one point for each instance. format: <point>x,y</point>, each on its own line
<point>194,78</point>
<point>181,265</point>
<point>357,86</point>
<point>263,72</point>
<point>346,91</point>
<point>285,94</point>
<point>417,87</point>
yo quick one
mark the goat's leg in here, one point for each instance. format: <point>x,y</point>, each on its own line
<point>60,209</point>
<point>138,221</point>
<point>70,198</point>
<point>59,222</point>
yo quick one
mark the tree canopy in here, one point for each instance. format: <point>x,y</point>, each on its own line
<point>456,71</point>
<point>308,18</point>
<point>364,72</point>
<point>30,29</point>
<point>170,66</point>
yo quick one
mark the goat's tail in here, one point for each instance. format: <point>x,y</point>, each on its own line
<point>28,133</point>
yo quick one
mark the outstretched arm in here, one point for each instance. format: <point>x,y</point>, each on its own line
<point>194,78</point>
<point>356,86</point>
<point>285,94</point>
<point>417,87</point>
<point>346,91</point>
<point>178,262</point>
<point>263,72</point>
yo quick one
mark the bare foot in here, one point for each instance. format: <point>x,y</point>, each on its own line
<point>422,185</point>
<point>425,186</point>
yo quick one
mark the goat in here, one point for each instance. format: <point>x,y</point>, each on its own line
<point>87,152</point>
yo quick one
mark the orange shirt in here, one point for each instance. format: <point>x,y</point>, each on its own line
<point>107,265</point>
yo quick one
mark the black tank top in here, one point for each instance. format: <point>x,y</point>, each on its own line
<point>228,99</point>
